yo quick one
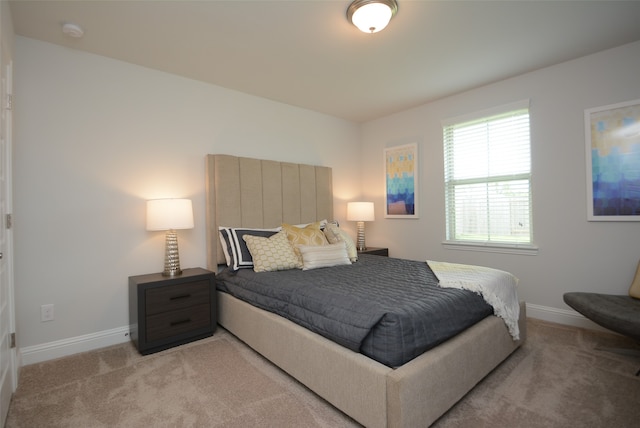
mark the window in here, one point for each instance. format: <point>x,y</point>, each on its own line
<point>487,160</point>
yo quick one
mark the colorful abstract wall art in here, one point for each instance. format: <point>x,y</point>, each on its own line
<point>401,185</point>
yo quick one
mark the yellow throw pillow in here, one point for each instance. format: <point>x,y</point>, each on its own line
<point>272,253</point>
<point>634,290</point>
<point>308,235</point>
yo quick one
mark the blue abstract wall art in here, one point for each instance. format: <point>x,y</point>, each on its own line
<point>401,168</point>
<point>613,155</point>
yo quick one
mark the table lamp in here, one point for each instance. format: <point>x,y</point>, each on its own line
<point>170,215</point>
<point>360,212</point>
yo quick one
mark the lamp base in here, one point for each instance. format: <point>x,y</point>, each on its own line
<point>171,273</point>
<point>171,255</point>
<point>360,242</point>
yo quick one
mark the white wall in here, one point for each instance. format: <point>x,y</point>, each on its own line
<point>574,255</point>
<point>95,138</point>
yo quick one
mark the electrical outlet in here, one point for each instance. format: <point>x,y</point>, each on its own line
<point>46,312</point>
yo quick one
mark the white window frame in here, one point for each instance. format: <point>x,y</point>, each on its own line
<point>526,248</point>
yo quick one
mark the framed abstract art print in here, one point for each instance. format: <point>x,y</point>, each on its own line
<point>401,181</point>
<point>613,162</point>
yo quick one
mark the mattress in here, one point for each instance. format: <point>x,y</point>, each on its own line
<point>391,310</point>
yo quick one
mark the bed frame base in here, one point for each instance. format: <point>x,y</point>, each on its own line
<point>413,395</point>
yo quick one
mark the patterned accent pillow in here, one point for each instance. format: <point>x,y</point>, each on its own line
<point>318,256</point>
<point>323,223</point>
<point>308,235</point>
<point>334,235</point>
<point>234,247</point>
<point>272,253</point>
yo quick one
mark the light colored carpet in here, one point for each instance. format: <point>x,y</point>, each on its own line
<point>215,382</point>
<point>556,379</point>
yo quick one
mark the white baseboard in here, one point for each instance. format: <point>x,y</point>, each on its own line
<point>62,348</point>
<point>89,342</point>
<point>561,316</point>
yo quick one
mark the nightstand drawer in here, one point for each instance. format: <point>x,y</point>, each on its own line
<point>169,298</point>
<point>173,323</point>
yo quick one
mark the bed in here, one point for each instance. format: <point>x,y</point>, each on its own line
<point>254,193</point>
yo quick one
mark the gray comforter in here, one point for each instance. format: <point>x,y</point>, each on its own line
<point>391,310</point>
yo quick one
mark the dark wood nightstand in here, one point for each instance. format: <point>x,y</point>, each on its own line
<point>169,311</point>
<point>376,251</point>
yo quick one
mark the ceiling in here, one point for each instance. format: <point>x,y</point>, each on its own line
<point>305,53</point>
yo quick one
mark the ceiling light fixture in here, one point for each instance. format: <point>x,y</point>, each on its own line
<point>73,30</point>
<point>371,16</point>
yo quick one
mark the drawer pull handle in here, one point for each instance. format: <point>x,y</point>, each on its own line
<point>182,296</point>
<point>174,323</point>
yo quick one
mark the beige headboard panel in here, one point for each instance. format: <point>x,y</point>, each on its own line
<point>246,192</point>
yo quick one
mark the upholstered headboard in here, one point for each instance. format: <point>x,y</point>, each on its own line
<point>246,192</point>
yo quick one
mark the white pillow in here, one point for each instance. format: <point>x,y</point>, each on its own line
<point>317,256</point>
<point>334,235</point>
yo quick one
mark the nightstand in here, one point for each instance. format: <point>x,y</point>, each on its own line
<point>170,311</point>
<point>376,251</point>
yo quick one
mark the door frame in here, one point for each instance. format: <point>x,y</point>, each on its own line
<point>6,103</point>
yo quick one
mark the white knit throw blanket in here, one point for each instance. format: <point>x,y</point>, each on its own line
<point>497,287</point>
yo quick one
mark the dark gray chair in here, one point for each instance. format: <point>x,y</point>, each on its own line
<point>619,313</point>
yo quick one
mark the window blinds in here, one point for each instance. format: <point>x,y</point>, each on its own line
<point>488,178</point>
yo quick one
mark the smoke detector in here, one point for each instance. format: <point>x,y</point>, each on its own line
<point>73,30</point>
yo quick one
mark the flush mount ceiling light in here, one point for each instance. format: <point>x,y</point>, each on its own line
<point>72,30</point>
<point>371,16</point>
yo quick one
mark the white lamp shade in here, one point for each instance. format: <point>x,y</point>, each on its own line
<point>360,211</point>
<point>166,214</point>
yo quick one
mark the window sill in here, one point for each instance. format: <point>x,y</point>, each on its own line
<point>527,250</point>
